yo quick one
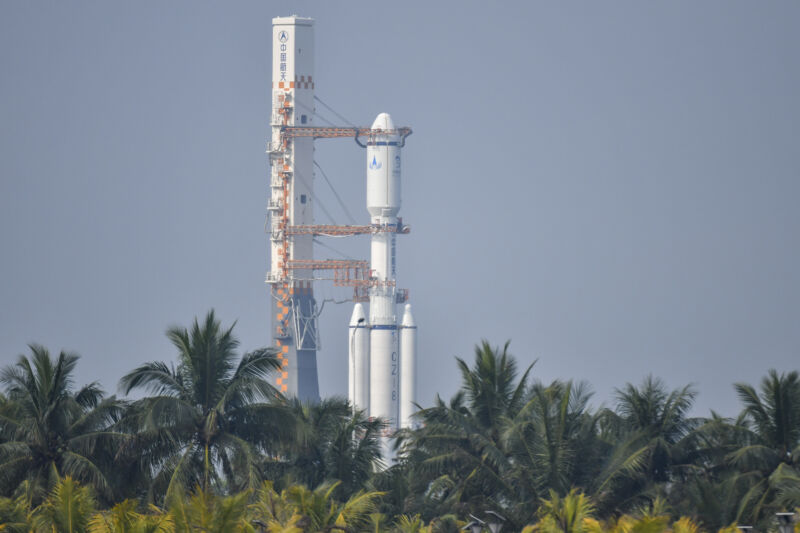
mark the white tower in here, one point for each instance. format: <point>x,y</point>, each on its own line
<point>294,323</point>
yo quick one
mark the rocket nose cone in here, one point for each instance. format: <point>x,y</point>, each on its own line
<point>383,122</point>
<point>408,318</point>
<point>358,318</point>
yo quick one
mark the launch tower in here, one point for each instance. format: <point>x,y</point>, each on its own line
<point>294,310</point>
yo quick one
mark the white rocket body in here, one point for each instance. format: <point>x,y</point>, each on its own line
<point>389,359</point>
<point>383,204</point>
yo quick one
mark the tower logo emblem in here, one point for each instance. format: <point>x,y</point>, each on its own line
<point>375,164</point>
<point>283,36</point>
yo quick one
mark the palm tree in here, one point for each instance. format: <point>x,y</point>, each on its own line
<point>321,512</point>
<point>69,507</point>
<point>457,458</point>
<point>298,508</point>
<point>572,513</point>
<point>553,440</point>
<point>206,418</point>
<point>491,386</point>
<point>712,490</point>
<point>271,512</point>
<point>352,452</point>
<point>15,513</point>
<point>653,440</point>
<point>330,443</point>
<point>50,429</point>
<point>768,456</point>
<point>205,511</point>
<point>409,524</point>
<point>125,518</point>
<point>501,444</point>
<point>658,419</point>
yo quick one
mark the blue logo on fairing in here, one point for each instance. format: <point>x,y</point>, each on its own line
<point>283,36</point>
<point>375,165</point>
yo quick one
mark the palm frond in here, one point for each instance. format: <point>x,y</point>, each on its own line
<point>155,377</point>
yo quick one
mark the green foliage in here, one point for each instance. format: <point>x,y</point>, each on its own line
<point>767,458</point>
<point>409,524</point>
<point>50,429</point>
<point>68,509</point>
<point>653,443</point>
<point>14,514</point>
<point>570,514</point>
<point>124,518</point>
<point>458,458</point>
<point>501,443</point>
<point>204,511</point>
<point>206,419</point>
<point>330,443</point>
<point>535,452</point>
<point>298,508</point>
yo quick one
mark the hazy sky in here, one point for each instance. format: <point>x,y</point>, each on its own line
<point>611,185</point>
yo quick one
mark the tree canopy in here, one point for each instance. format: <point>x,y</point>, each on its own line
<point>210,445</point>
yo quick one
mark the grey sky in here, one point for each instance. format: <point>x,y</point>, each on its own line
<point>611,185</point>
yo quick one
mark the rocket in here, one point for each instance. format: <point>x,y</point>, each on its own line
<point>382,353</point>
